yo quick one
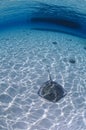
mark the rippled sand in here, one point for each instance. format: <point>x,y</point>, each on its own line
<point>24,55</point>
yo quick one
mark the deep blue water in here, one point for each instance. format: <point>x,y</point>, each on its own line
<point>42,16</point>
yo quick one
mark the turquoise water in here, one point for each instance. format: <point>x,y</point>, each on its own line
<point>27,32</point>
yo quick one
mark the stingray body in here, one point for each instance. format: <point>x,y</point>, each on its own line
<point>51,90</point>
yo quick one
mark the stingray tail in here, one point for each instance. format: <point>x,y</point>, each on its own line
<point>49,74</point>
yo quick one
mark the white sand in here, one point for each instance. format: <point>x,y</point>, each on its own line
<point>24,55</point>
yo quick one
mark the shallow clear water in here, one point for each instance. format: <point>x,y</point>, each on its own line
<point>25,51</point>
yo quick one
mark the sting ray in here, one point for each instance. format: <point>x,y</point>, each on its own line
<point>51,90</point>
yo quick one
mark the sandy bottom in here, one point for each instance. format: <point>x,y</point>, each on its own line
<point>24,55</point>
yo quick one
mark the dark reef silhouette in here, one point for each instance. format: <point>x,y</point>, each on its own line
<point>57,21</point>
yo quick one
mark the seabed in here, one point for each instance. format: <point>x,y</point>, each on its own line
<point>24,55</point>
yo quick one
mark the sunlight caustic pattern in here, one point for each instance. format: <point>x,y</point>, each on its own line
<point>24,55</point>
